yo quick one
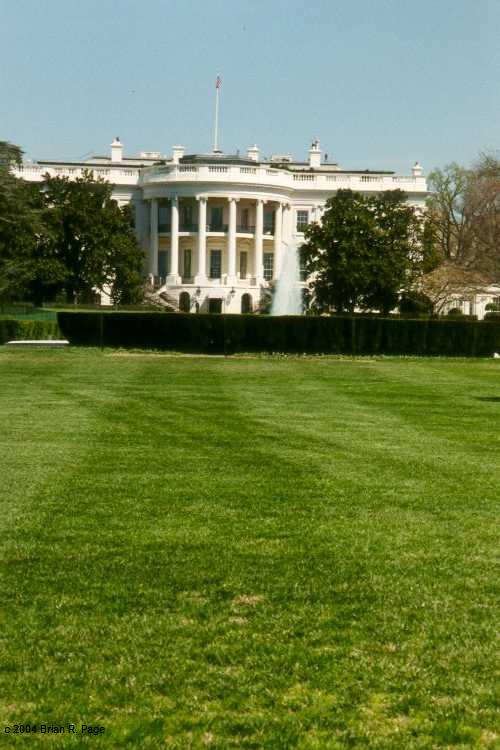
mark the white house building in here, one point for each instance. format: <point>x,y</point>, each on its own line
<point>215,227</point>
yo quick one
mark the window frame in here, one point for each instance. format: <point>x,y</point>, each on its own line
<point>213,253</point>
<point>270,266</point>
<point>299,222</point>
<point>243,264</point>
<point>187,270</point>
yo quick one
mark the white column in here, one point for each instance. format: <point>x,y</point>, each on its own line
<point>173,277</point>
<point>231,242</point>
<point>278,220</point>
<point>153,237</point>
<point>201,275</point>
<point>258,248</point>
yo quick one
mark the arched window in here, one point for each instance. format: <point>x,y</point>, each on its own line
<point>246,303</point>
<point>184,302</point>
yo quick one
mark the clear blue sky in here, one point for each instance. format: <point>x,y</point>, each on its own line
<point>379,82</point>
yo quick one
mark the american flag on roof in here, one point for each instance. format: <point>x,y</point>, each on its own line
<point>218,82</point>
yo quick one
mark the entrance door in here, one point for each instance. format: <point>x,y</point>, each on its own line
<point>215,306</point>
<point>163,258</point>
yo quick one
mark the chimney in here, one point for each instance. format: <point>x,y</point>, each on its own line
<point>177,153</point>
<point>116,150</point>
<point>253,153</point>
<point>315,155</point>
<point>417,170</point>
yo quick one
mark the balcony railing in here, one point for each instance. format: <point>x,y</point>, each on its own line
<point>216,227</point>
<point>265,175</point>
<point>268,229</point>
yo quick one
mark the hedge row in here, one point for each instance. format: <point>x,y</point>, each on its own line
<point>293,334</point>
<point>12,329</point>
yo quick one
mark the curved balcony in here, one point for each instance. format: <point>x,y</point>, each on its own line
<point>228,175</point>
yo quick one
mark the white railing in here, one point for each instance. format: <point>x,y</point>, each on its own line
<point>258,176</point>
<point>117,176</point>
<point>407,180</point>
<point>282,178</point>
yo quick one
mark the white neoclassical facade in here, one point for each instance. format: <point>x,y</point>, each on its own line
<point>215,227</point>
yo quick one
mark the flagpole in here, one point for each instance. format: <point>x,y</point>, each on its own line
<point>216,126</point>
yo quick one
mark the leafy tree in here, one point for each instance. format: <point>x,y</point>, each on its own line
<point>92,239</point>
<point>64,237</point>
<point>20,226</point>
<point>364,252</point>
<point>10,155</point>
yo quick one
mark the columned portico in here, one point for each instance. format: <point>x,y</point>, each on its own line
<point>259,245</point>
<point>201,275</point>
<point>153,237</point>
<point>173,277</point>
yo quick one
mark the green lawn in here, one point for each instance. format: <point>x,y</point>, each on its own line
<point>249,553</point>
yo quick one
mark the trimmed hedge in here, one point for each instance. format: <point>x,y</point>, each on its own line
<point>14,329</point>
<point>291,334</point>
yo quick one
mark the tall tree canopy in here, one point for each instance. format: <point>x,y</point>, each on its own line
<point>20,224</point>
<point>92,237</point>
<point>65,237</point>
<point>366,250</point>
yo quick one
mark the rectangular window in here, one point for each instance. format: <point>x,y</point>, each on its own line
<point>302,267</point>
<point>187,263</point>
<point>215,264</point>
<point>164,214</point>
<point>243,264</point>
<point>216,219</point>
<point>187,215</point>
<point>269,222</point>
<point>215,306</point>
<point>302,220</point>
<point>268,266</point>
<point>244,218</point>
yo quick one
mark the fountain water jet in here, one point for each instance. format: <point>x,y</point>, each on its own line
<point>287,298</point>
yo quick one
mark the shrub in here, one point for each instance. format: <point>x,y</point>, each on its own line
<point>288,334</point>
<point>416,304</point>
<point>455,312</point>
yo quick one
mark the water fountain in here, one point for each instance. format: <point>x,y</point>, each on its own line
<point>287,298</point>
